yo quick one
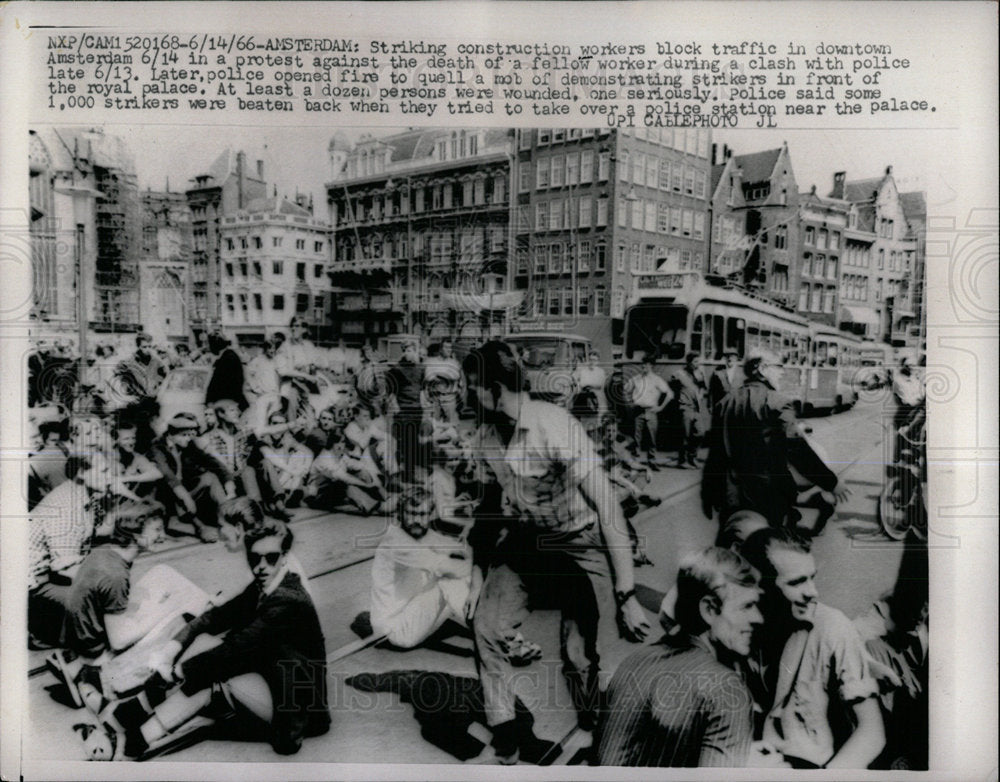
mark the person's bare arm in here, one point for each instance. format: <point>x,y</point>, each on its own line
<point>867,740</point>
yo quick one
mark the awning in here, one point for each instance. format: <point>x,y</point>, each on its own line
<point>858,315</point>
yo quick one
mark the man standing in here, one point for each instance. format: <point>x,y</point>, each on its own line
<point>690,389</point>
<point>679,702</point>
<point>811,670</point>
<point>592,377</point>
<point>227,374</point>
<point>649,394</point>
<point>724,379</point>
<point>754,438</point>
<point>567,527</point>
<point>406,382</point>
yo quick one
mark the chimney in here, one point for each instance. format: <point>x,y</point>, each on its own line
<point>241,164</point>
<point>888,170</point>
<point>260,170</point>
<point>838,184</point>
<point>715,148</point>
<point>727,152</point>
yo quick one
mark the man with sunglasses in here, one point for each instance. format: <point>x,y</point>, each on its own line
<point>270,668</point>
<point>754,439</point>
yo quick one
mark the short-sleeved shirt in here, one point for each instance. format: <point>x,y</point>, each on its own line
<point>101,587</point>
<point>676,706</point>
<point>59,531</point>
<point>541,469</point>
<point>819,663</point>
<point>647,389</point>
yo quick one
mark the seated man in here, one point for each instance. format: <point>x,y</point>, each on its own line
<point>232,443</point>
<point>283,463</point>
<point>47,465</point>
<point>271,665</point>
<point>97,616</point>
<point>811,672</point>
<point>195,483</point>
<point>679,702</point>
<point>137,472</point>
<point>337,479</point>
<point>421,572</point>
<point>368,438</point>
<point>60,530</point>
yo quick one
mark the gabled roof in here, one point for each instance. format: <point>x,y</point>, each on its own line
<point>862,189</point>
<point>758,166</point>
<point>279,205</point>
<point>717,176</point>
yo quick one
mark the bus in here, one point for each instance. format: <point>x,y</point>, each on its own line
<point>672,314</point>
<point>549,359</point>
<point>834,360</point>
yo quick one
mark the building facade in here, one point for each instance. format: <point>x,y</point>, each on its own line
<point>421,234</point>
<point>817,277</point>
<point>594,208</point>
<point>225,188</point>
<point>165,266</point>
<point>880,261</point>
<point>274,261</point>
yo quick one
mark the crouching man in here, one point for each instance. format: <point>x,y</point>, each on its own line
<point>270,669</point>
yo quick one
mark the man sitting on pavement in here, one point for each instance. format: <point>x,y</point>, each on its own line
<point>194,482</point>
<point>97,616</point>
<point>270,668</point>
<point>680,702</point>
<point>336,479</point>
<point>284,463</point>
<point>810,670</point>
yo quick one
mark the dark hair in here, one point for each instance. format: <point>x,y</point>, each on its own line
<point>495,363</point>
<point>738,527</point>
<point>75,465</point>
<point>691,357</point>
<point>60,428</point>
<point>271,528</point>
<point>757,548</point>
<point>217,342</point>
<point>125,425</point>
<point>278,338</point>
<point>649,358</point>
<point>142,337</point>
<point>707,574</point>
<point>129,519</point>
<point>242,512</point>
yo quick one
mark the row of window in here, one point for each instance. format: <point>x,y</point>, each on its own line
<point>574,168</point>
<point>657,217</point>
<point>817,298</point>
<point>646,258</point>
<point>567,301</point>
<point>819,266</point>
<point>244,300</point>
<point>858,255</point>
<point>257,242</point>
<point>821,239</point>
<point>469,243</point>
<point>662,174</point>
<point>477,191</point>
<point>559,135</point>
<point>567,213</point>
<point>560,258</point>
<point>854,287</point>
<point>692,141</point>
<point>245,269</point>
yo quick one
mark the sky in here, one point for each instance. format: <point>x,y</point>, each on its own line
<point>296,159</point>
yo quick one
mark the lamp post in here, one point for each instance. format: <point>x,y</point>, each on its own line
<point>83,197</point>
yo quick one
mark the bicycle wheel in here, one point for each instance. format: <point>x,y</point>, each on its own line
<point>893,511</point>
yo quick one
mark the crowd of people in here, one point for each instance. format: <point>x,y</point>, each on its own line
<point>500,504</point>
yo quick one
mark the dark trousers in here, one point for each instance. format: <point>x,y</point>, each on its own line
<point>47,612</point>
<point>410,452</point>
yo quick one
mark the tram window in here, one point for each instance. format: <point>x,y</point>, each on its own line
<point>696,334</point>
<point>718,329</point>
<point>832,355</point>
<point>753,337</point>
<point>657,331</point>
<point>736,336</point>
<point>819,359</point>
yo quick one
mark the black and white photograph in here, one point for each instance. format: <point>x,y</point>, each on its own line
<point>480,442</point>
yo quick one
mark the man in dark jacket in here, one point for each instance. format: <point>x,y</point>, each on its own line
<point>754,438</point>
<point>724,379</point>
<point>272,662</point>
<point>227,374</point>
<point>194,482</point>
<point>690,394</point>
<point>406,383</point>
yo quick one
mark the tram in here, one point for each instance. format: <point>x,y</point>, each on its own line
<point>672,314</point>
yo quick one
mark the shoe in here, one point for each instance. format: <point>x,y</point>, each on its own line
<point>362,625</point>
<point>679,466</point>
<point>294,499</point>
<point>652,466</point>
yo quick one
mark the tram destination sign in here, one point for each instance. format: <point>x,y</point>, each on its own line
<point>663,281</point>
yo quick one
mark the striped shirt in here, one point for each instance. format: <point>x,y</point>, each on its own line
<point>673,705</point>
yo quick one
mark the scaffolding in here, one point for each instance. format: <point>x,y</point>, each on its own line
<point>116,279</point>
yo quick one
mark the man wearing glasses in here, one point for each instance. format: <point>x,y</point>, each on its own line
<point>271,664</point>
<point>754,439</point>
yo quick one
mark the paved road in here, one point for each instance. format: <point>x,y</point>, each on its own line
<point>856,565</point>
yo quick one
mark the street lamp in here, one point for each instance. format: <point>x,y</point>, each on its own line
<point>83,197</point>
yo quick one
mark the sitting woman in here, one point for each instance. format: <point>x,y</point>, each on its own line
<point>269,672</point>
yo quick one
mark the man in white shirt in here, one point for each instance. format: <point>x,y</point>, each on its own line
<point>649,393</point>
<point>592,377</point>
